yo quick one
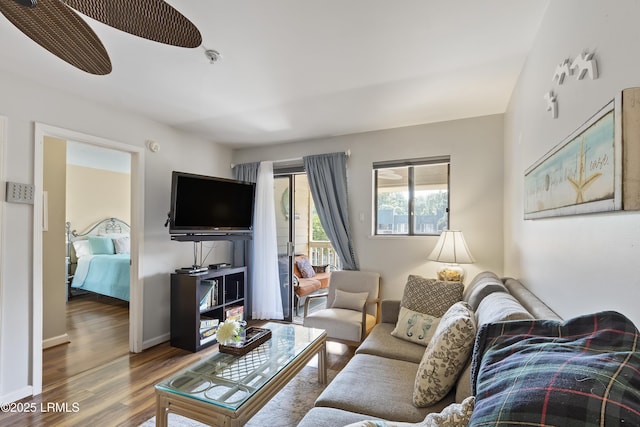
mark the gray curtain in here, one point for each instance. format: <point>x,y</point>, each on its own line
<point>327,174</point>
<point>241,253</point>
<point>241,248</point>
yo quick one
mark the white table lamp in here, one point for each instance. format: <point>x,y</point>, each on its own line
<point>451,250</point>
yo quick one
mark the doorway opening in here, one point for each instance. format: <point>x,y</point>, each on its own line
<point>300,236</point>
<point>41,223</point>
<point>88,193</point>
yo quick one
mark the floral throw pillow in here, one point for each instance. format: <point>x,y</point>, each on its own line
<point>305,267</point>
<point>446,355</point>
<point>454,415</point>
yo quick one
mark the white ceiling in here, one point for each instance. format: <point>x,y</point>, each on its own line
<point>304,69</point>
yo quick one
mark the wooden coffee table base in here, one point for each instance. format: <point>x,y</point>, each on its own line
<point>215,415</point>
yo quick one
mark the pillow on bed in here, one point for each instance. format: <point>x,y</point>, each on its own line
<point>82,248</point>
<point>122,245</point>
<point>114,235</point>
<point>101,245</point>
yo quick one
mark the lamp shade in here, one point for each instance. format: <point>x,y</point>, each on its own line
<point>452,248</point>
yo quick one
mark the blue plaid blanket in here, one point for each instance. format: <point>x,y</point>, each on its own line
<point>581,372</point>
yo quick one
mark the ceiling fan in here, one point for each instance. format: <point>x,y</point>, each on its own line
<point>54,25</point>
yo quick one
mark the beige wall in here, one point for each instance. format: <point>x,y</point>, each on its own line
<point>475,146</point>
<point>585,263</point>
<point>96,194</point>
<point>53,244</point>
<point>24,102</point>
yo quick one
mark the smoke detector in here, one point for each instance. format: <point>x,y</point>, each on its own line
<point>212,55</point>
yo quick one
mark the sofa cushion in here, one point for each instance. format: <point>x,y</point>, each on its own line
<point>500,307</point>
<point>483,288</point>
<point>476,281</point>
<point>463,385</point>
<point>430,296</point>
<point>446,355</point>
<point>386,388</point>
<point>415,327</point>
<point>580,372</point>
<point>323,278</point>
<point>529,301</point>
<point>380,342</point>
<point>304,267</point>
<point>340,323</point>
<point>454,415</point>
<point>306,286</point>
<point>496,307</point>
<point>329,417</point>
<point>389,311</point>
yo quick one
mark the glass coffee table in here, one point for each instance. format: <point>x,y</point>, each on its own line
<point>227,390</point>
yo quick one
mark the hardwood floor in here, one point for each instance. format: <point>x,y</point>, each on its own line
<point>98,329</point>
<point>118,392</point>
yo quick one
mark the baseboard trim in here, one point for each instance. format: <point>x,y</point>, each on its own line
<point>155,341</point>
<point>16,395</point>
<point>52,342</point>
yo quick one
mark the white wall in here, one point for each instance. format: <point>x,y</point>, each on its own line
<point>25,102</point>
<point>576,264</point>
<point>475,146</point>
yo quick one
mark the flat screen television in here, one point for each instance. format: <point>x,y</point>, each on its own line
<point>202,205</point>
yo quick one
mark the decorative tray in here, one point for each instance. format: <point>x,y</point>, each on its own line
<point>254,337</point>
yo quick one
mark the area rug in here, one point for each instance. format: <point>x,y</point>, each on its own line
<point>286,409</point>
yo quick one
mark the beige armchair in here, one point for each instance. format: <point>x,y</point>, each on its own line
<point>353,307</point>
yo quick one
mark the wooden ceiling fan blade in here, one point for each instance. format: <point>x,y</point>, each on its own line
<point>150,19</point>
<point>62,32</point>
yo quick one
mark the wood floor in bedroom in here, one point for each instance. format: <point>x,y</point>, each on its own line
<point>98,329</point>
<point>96,384</point>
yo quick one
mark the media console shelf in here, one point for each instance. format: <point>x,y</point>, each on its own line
<point>198,298</point>
<point>209,237</point>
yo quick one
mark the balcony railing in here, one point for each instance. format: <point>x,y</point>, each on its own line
<point>322,253</point>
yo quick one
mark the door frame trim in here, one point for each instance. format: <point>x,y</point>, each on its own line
<point>137,226</point>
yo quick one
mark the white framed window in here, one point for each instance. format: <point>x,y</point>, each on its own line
<point>411,196</point>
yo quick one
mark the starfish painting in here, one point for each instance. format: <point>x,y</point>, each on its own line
<point>582,183</point>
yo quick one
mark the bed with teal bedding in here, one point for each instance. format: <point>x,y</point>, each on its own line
<point>104,275</point>
<point>101,257</point>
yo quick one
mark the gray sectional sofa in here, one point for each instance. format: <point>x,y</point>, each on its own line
<point>378,382</point>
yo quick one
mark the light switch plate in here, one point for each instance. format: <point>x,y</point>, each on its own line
<point>20,193</point>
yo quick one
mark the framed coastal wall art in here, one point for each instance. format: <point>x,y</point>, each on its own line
<point>595,169</point>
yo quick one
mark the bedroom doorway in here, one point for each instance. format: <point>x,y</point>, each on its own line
<point>43,215</point>
<point>88,212</point>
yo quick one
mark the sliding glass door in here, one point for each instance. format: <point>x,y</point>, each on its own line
<point>299,234</point>
<point>284,226</point>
